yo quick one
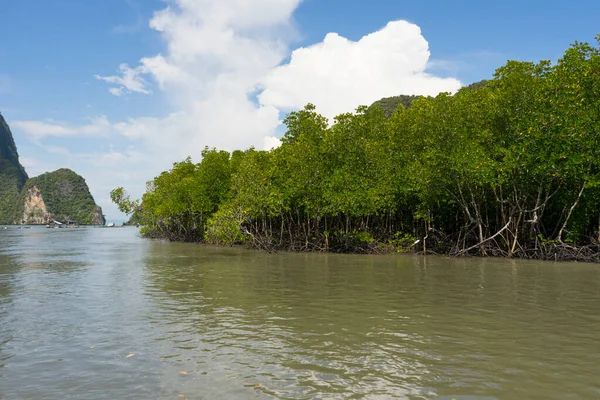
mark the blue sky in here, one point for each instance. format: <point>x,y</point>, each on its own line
<point>221,74</point>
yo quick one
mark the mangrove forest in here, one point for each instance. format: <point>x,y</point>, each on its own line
<point>507,167</point>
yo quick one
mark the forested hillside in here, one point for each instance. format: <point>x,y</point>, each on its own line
<point>389,105</point>
<point>508,167</point>
<point>66,197</point>
<point>12,174</point>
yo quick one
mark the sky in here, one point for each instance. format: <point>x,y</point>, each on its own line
<point>118,90</point>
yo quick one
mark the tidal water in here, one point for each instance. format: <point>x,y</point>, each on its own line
<point>104,314</point>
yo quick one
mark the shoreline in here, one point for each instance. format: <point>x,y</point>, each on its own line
<point>568,253</point>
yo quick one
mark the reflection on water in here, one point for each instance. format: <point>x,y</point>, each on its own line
<point>210,323</point>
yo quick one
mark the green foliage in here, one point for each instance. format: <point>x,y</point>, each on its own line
<point>477,85</point>
<point>486,170</point>
<point>123,201</point>
<point>127,206</point>
<point>402,242</point>
<point>179,202</point>
<point>12,175</point>
<point>66,196</point>
<point>390,104</point>
<point>362,237</point>
<point>225,227</point>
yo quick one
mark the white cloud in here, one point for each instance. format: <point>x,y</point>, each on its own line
<point>130,80</point>
<point>63,151</point>
<point>36,130</point>
<point>271,142</point>
<point>116,91</point>
<point>34,166</point>
<point>113,158</point>
<point>337,75</point>
<point>217,54</point>
<point>29,163</point>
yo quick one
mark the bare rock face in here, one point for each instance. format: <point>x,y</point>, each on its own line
<point>35,212</point>
<point>98,218</point>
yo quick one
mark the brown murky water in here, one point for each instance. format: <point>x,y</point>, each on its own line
<point>221,323</point>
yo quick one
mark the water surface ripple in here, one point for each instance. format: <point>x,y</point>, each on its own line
<point>104,314</point>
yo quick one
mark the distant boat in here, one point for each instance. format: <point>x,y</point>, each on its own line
<point>110,225</point>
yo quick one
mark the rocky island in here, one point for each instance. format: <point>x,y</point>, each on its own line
<point>61,195</point>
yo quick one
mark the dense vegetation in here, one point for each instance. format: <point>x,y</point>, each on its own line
<point>508,167</point>
<point>66,196</point>
<point>390,104</point>
<point>12,174</point>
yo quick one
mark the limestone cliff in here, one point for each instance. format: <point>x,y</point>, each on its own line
<point>35,211</point>
<point>12,174</point>
<point>98,217</point>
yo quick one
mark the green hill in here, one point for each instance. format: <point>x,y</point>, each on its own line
<point>12,174</point>
<point>60,195</point>
<point>390,104</point>
<point>477,85</point>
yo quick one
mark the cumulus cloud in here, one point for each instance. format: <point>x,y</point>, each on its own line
<point>338,74</point>
<point>217,54</point>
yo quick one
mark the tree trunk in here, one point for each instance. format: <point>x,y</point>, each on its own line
<point>560,233</point>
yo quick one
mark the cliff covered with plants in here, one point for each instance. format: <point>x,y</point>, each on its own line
<point>60,195</point>
<point>509,167</point>
<point>12,174</point>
